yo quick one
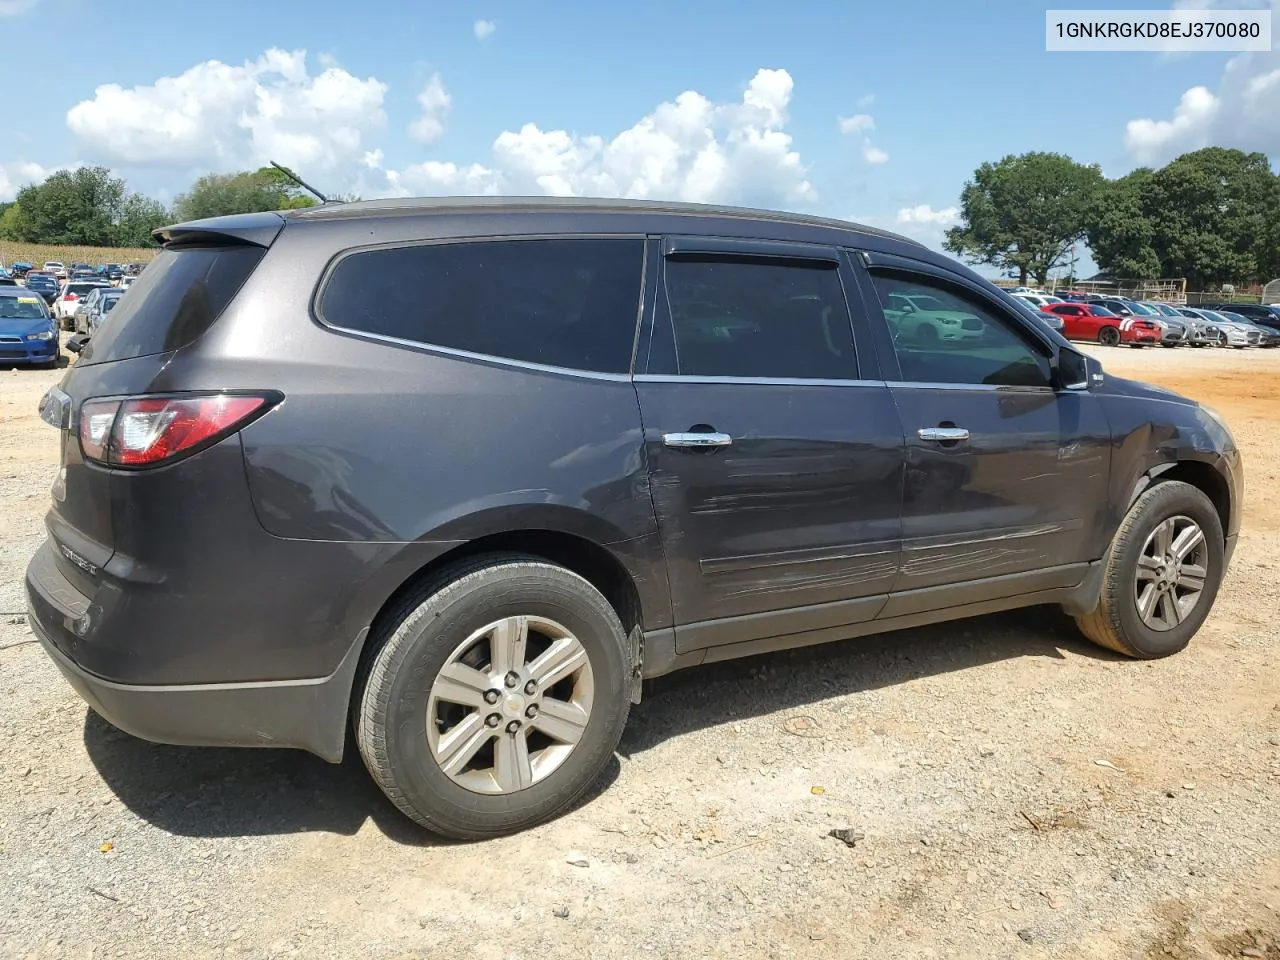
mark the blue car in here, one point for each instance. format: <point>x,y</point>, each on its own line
<point>28,332</point>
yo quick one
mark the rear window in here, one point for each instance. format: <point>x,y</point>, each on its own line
<point>564,303</point>
<point>177,299</point>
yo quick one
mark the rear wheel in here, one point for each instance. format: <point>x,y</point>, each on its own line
<point>497,698</point>
<point>1161,574</point>
<point>1109,336</point>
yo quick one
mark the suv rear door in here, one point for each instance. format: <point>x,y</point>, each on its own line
<point>1005,468</point>
<point>775,456</point>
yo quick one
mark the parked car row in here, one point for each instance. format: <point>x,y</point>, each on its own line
<point>1114,321</point>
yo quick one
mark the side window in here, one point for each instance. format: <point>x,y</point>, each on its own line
<point>566,303</point>
<point>759,318</point>
<point>943,335</point>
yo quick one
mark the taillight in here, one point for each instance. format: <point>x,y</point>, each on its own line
<point>147,431</point>
<point>72,296</point>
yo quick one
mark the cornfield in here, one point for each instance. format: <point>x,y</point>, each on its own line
<point>38,253</point>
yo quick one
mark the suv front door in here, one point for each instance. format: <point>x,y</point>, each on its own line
<point>1006,468</point>
<point>774,466</point>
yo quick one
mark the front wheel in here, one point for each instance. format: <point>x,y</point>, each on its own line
<point>1161,574</point>
<point>496,699</point>
<point>1109,336</point>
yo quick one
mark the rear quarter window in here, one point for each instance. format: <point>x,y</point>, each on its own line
<point>181,294</point>
<point>570,303</point>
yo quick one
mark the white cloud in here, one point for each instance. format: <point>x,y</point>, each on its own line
<point>484,29</point>
<point>221,117</point>
<point>686,149</point>
<point>1149,141</point>
<point>11,8</point>
<point>435,103</point>
<point>920,222</point>
<point>864,123</point>
<point>1243,112</point>
<point>18,174</point>
<point>924,213</point>
<point>865,102</point>
<point>874,155</point>
<point>436,178</point>
<point>859,121</point>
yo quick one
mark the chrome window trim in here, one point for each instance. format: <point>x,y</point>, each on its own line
<point>482,357</point>
<point>754,381</point>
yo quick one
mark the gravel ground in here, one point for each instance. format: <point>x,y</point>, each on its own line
<point>1014,791</point>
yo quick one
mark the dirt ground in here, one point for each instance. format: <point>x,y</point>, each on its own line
<point>1016,792</point>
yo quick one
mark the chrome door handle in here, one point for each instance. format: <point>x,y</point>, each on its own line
<point>942,433</point>
<point>696,439</point>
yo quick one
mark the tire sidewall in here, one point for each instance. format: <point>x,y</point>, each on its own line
<point>435,629</point>
<point>1158,504</point>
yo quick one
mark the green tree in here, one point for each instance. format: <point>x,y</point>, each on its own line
<point>1214,213</point>
<point>1023,213</point>
<point>1121,235</point>
<point>78,206</point>
<point>250,191</point>
<point>9,221</point>
<point>140,215</point>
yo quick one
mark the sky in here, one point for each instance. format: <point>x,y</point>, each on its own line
<point>870,111</point>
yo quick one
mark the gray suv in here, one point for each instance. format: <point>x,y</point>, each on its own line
<point>459,474</point>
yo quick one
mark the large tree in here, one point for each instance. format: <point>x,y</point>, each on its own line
<point>78,206</point>
<point>1211,210</point>
<point>1023,213</point>
<point>250,191</point>
<point>1121,235</point>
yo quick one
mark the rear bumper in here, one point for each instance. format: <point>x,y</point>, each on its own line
<point>307,714</point>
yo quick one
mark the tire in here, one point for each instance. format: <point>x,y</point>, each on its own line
<point>1109,336</point>
<point>425,633</point>
<point>1116,623</point>
<point>1169,346</point>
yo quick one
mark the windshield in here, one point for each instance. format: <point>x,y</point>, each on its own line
<point>22,308</point>
<point>1144,309</point>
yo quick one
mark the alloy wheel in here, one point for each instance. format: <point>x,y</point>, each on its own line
<point>1170,577</point>
<point>510,705</point>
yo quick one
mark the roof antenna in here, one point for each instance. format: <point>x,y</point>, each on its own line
<point>302,183</point>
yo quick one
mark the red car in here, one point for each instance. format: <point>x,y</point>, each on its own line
<point>1088,321</point>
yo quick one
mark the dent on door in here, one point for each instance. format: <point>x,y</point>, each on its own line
<point>1020,493</point>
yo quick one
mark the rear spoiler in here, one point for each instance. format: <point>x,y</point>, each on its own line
<point>258,229</point>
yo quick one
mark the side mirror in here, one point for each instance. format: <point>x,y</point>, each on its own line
<point>1077,371</point>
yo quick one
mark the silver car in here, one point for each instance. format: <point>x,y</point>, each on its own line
<point>1230,333</point>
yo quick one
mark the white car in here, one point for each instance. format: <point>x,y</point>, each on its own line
<point>126,282</point>
<point>57,268</point>
<point>925,319</point>
<point>69,298</point>
<point>1038,300</point>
